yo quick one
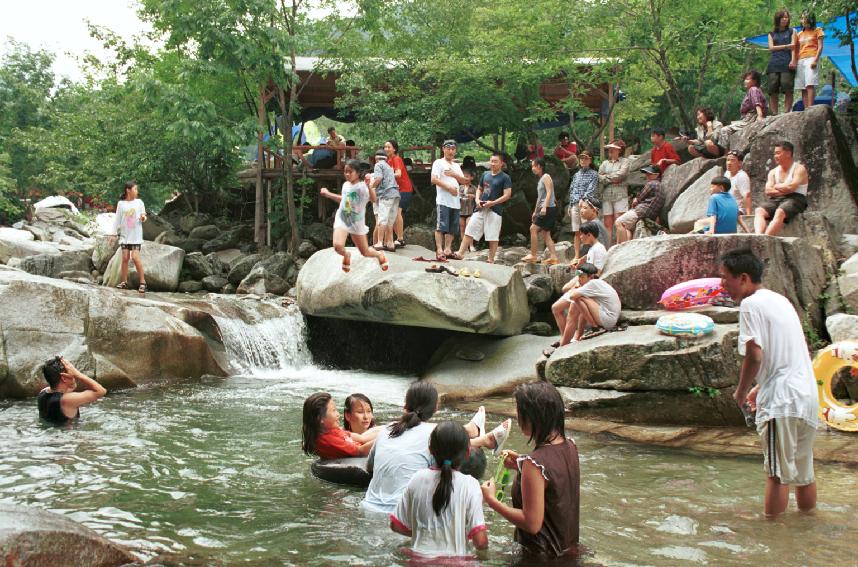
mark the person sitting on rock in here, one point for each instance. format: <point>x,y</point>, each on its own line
<point>753,108</point>
<point>786,193</point>
<point>663,155</point>
<point>647,205</point>
<point>705,143</point>
<point>590,209</point>
<point>594,303</point>
<point>59,403</point>
<point>596,253</point>
<point>723,212</point>
<point>566,151</point>
<point>740,183</point>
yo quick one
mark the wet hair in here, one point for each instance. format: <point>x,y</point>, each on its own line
<point>475,463</point>
<point>421,401</point>
<point>127,187</point>
<point>448,444</point>
<point>723,182</point>
<point>786,146</point>
<point>539,162</point>
<point>810,17</point>
<point>590,228</point>
<point>353,164</point>
<point>540,407</point>
<point>707,112</point>
<point>315,408</point>
<point>777,19</point>
<point>347,408</point>
<point>588,268</point>
<point>754,75</point>
<point>395,145</point>
<point>743,261</point>
<point>658,131</point>
<point>52,370</point>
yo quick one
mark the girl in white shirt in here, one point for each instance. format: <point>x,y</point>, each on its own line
<point>441,508</point>
<point>128,224</point>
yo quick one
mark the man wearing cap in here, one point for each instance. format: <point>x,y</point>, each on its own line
<point>387,190</point>
<point>663,155</point>
<point>566,151</point>
<point>59,402</point>
<point>446,176</point>
<point>495,188</point>
<point>647,205</point>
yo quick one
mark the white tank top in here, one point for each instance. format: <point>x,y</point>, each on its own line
<point>802,189</point>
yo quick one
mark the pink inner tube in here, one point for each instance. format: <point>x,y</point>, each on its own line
<point>692,293</point>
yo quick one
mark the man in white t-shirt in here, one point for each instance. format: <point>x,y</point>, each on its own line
<point>593,303</point>
<point>597,254</point>
<point>785,397</point>
<point>446,176</point>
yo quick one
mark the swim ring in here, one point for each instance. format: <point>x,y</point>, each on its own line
<point>351,471</point>
<point>703,291</point>
<point>825,365</point>
<point>685,324</point>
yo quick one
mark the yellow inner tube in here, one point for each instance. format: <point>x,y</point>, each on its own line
<point>825,366</point>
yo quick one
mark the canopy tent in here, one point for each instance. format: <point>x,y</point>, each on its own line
<point>839,55</point>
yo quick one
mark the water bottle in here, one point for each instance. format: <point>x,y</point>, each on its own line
<point>749,414</point>
<point>502,476</point>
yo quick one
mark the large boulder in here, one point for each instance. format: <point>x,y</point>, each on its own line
<point>242,268</point>
<point>227,239</point>
<point>540,288</point>
<point>842,327</point>
<point>692,203</point>
<point>162,266</point>
<point>847,281</point>
<point>678,178</point>
<point>420,235</point>
<point>8,233</point>
<point>38,538</point>
<point>193,220</point>
<point>104,248</point>
<point>51,265</point>
<point>196,266</point>
<point>474,367</point>
<point>155,226</point>
<point>268,276</point>
<point>15,247</point>
<point>205,232</point>
<point>641,270</point>
<point>824,144</point>
<point>406,294</point>
<point>214,284</point>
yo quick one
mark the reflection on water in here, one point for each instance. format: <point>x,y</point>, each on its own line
<point>213,473</point>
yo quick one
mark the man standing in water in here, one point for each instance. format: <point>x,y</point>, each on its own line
<point>59,403</point>
<point>785,397</point>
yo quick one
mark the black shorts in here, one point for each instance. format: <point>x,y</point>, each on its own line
<point>704,151</point>
<point>546,221</point>
<point>781,82</point>
<point>792,205</point>
<point>130,246</point>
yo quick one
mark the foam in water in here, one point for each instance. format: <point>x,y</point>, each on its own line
<point>265,344</point>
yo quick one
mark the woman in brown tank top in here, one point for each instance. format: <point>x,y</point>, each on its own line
<point>546,491</point>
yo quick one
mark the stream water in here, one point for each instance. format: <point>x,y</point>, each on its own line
<point>211,473</point>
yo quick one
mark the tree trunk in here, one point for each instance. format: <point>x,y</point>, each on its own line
<point>288,109</point>
<point>259,209</point>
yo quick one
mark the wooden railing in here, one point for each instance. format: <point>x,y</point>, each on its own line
<point>273,160</point>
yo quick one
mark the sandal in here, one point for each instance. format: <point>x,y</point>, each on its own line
<point>501,434</point>
<point>593,332</point>
<point>390,248</point>
<point>450,271</point>
<point>142,288</point>
<point>479,420</point>
<point>435,269</point>
<point>530,259</point>
<point>550,262</point>
<point>347,262</point>
<point>440,257</point>
<point>122,285</point>
<point>548,352</point>
<point>382,261</point>
<point>464,273</point>
<point>555,344</point>
<point>399,243</point>
<point>456,256</point>
<point>477,273</point>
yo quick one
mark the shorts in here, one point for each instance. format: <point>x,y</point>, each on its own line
<point>405,200</point>
<point>788,450</point>
<point>131,246</point>
<point>387,210</point>
<point>615,207</point>
<point>575,217</point>
<point>781,82</point>
<point>704,151</point>
<point>448,220</point>
<point>546,221</point>
<point>484,222</point>
<point>608,320</point>
<point>805,76</point>
<point>792,205</point>
<point>628,220</point>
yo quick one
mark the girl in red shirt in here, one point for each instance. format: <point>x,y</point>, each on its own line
<point>406,189</point>
<point>322,434</point>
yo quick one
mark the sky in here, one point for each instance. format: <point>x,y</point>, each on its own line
<point>59,26</point>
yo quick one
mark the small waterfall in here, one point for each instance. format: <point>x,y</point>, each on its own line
<point>261,336</point>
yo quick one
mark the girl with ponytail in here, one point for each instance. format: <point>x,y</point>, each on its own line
<point>441,508</point>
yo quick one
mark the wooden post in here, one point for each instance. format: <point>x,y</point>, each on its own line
<point>259,209</point>
<point>268,216</point>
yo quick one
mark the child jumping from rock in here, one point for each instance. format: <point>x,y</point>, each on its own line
<point>350,217</point>
<point>128,224</point>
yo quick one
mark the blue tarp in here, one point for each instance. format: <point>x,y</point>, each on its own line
<point>838,54</point>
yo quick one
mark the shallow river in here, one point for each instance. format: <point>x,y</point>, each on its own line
<point>212,474</point>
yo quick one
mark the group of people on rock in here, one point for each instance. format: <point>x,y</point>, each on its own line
<point>421,470</point>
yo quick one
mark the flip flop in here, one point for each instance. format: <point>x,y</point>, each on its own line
<point>122,285</point>
<point>440,257</point>
<point>530,259</point>
<point>450,271</point>
<point>464,273</point>
<point>550,262</point>
<point>477,273</point>
<point>422,259</point>
<point>548,352</point>
<point>435,269</point>
<point>390,248</point>
<point>347,262</point>
<point>594,332</point>
<point>479,420</point>
<point>142,289</point>
<point>501,434</point>
<point>456,256</point>
<point>555,344</point>
<point>382,261</point>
